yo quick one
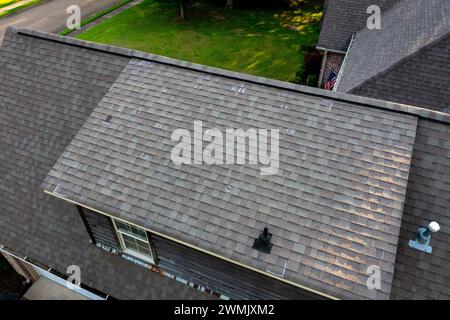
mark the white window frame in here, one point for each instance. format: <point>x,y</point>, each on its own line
<point>132,252</point>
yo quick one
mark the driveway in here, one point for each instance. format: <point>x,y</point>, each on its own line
<point>51,15</point>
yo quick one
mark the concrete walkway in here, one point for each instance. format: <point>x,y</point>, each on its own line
<point>45,289</point>
<point>104,18</point>
<point>51,16</point>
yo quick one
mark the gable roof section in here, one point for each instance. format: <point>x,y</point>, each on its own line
<point>420,80</point>
<point>334,208</point>
<point>343,18</point>
<point>47,91</point>
<point>408,28</point>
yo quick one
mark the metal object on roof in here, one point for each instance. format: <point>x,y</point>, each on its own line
<point>422,241</point>
<point>262,243</point>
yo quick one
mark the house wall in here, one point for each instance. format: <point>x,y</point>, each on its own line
<point>332,61</point>
<point>204,270</point>
<point>102,229</point>
<point>21,268</point>
<point>222,276</point>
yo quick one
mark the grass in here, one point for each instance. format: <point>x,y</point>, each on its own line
<point>96,16</point>
<point>260,42</point>
<point>5,3</point>
<point>26,5</point>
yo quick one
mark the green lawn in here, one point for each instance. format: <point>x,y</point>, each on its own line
<point>259,42</point>
<point>4,3</point>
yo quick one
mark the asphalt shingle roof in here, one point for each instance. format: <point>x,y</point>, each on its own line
<point>335,207</point>
<point>408,27</point>
<point>343,18</point>
<point>419,275</point>
<point>47,91</point>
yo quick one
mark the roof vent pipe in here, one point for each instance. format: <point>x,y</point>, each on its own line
<point>262,243</point>
<point>422,241</point>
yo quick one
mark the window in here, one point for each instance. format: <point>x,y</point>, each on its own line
<point>134,240</point>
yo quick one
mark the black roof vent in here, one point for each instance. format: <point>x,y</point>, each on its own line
<point>263,242</point>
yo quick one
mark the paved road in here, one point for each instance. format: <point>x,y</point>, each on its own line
<point>51,15</point>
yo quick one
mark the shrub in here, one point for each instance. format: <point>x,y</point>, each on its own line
<point>309,71</point>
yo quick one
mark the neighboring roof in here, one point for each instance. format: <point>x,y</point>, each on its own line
<point>334,208</point>
<point>47,91</point>
<point>408,29</point>
<point>343,18</point>
<point>419,275</point>
<point>420,79</point>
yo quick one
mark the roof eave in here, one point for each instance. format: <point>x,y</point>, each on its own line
<point>330,50</point>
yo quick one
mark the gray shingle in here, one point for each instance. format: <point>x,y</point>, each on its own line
<point>419,275</point>
<point>419,80</point>
<point>343,18</point>
<point>407,28</point>
<point>141,87</point>
<point>335,207</point>
<point>47,90</point>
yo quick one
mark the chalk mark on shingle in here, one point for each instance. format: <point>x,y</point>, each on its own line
<point>290,131</point>
<point>279,274</point>
<point>56,190</point>
<point>238,89</point>
<point>145,156</point>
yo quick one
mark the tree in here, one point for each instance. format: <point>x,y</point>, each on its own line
<point>182,9</point>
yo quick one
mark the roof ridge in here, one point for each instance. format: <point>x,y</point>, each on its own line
<point>337,96</point>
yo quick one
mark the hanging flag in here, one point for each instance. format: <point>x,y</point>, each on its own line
<point>329,85</point>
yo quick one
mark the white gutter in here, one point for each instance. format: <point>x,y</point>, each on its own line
<point>331,50</point>
<point>341,71</point>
